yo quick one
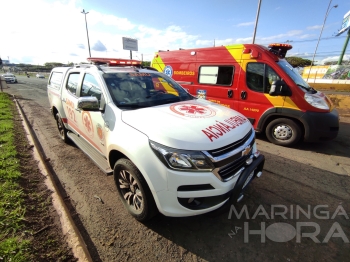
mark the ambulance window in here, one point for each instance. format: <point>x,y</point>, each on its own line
<point>271,76</point>
<point>259,77</point>
<point>90,87</point>
<point>72,83</point>
<point>56,80</point>
<point>216,75</point>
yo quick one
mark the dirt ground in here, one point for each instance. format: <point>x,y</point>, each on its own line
<point>48,243</point>
<point>111,234</point>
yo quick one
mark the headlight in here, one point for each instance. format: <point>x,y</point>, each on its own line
<point>316,101</point>
<point>182,159</point>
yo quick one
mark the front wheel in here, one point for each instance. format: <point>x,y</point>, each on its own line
<point>283,132</point>
<point>133,190</point>
<point>61,128</point>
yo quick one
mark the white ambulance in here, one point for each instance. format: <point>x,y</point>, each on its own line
<point>168,151</point>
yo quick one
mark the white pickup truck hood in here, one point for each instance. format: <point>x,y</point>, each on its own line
<point>192,125</point>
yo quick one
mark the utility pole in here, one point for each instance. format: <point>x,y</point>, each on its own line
<point>344,48</point>
<point>87,33</point>
<point>329,8</point>
<point>256,21</point>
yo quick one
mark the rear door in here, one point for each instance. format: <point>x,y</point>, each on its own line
<point>215,84</point>
<point>69,99</point>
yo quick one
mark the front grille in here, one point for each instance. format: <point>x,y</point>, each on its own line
<point>223,150</point>
<point>232,168</point>
<point>228,160</point>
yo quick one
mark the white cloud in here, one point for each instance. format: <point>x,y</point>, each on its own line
<point>56,32</point>
<point>306,36</point>
<point>334,58</point>
<point>244,40</point>
<point>245,24</point>
<point>110,20</point>
<point>270,39</point>
<point>315,27</point>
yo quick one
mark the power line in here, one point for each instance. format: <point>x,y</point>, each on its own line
<point>309,40</point>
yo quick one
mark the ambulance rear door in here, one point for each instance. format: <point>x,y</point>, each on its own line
<point>218,74</point>
<point>215,83</point>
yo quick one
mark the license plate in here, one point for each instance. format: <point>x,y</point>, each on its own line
<point>248,179</point>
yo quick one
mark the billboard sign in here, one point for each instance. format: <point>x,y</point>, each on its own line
<point>346,23</point>
<point>130,44</point>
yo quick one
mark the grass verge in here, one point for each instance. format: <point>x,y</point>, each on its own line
<point>30,229</point>
<point>11,196</point>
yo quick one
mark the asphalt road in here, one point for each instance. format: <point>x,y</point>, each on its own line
<point>298,210</point>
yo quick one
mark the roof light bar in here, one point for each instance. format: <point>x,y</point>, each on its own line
<point>113,61</point>
<point>279,50</point>
<point>287,46</point>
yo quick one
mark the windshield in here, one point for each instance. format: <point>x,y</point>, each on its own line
<point>294,74</point>
<point>144,89</point>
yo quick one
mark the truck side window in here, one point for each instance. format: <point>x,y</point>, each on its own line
<point>90,87</point>
<point>271,76</point>
<point>72,83</point>
<point>216,75</point>
<point>56,80</point>
<point>259,77</point>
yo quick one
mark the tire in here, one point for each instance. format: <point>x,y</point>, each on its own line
<point>61,128</point>
<point>133,190</point>
<point>283,132</point>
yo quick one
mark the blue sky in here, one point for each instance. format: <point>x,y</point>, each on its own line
<point>42,31</point>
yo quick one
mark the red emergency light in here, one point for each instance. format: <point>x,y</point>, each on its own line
<point>279,50</point>
<point>113,61</point>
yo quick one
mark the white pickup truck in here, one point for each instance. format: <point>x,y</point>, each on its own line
<point>168,151</point>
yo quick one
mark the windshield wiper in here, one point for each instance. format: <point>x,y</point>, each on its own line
<point>313,91</point>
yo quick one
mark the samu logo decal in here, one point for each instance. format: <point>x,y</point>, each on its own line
<point>100,132</point>
<point>168,70</point>
<point>87,123</point>
<point>192,110</point>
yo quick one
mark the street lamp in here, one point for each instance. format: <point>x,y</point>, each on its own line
<point>324,22</point>
<point>87,33</point>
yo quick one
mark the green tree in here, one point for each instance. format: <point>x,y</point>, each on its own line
<point>298,61</point>
<point>146,63</point>
<point>53,64</point>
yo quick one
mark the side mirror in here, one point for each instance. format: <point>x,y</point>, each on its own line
<point>279,88</point>
<point>88,103</point>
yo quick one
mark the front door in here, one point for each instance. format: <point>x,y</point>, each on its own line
<point>93,123</point>
<point>254,98</point>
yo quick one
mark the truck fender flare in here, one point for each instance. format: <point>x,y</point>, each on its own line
<point>274,113</point>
